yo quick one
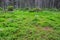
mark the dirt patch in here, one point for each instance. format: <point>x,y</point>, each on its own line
<point>44,29</point>
<point>47,28</point>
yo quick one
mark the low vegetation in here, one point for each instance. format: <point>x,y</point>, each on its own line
<point>27,25</point>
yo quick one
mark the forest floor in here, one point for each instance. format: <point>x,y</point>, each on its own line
<point>25,25</point>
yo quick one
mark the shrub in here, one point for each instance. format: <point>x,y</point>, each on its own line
<point>26,8</point>
<point>1,9</point>
<point>10,8</point>
<point>53,9</point>
<point>35,10</point>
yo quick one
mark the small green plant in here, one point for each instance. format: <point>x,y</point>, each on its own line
<point>35,22</point>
